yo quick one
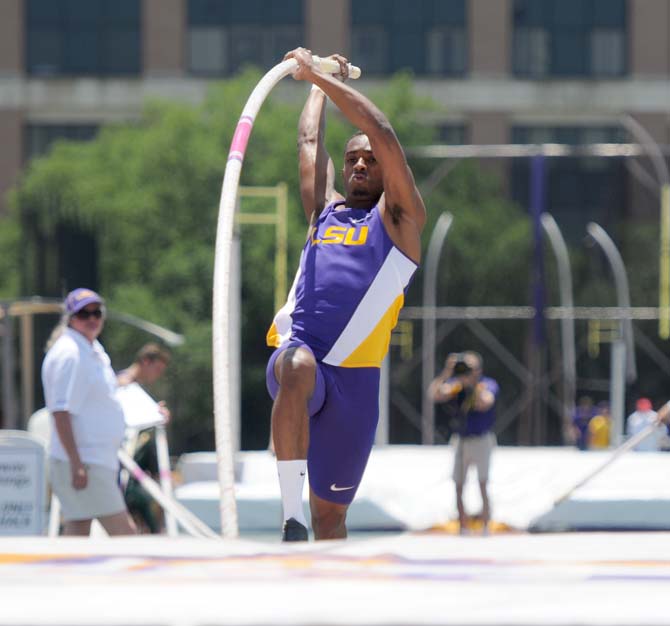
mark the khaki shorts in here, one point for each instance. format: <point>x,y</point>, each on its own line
<point>473,451</point>
<point>101,497</point>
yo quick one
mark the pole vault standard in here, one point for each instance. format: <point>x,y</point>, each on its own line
<point>428,335</point>
<point>623,348</point>
<point>222,267</point>
<point>567,324</point>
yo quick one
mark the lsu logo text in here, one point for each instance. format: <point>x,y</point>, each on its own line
<point>346,235</point>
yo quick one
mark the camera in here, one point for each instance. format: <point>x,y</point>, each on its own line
<point>460,365</point>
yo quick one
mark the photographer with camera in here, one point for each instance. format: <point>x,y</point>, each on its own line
<point>469,399</point>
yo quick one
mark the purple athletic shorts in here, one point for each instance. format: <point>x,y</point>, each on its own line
<point>343,411</point>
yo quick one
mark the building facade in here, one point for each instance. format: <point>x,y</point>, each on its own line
<point>508,70</point>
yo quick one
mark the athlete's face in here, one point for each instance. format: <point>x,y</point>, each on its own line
<point>362,173</point>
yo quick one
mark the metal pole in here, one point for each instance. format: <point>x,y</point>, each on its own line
<point>190,522</point>
<point>536,419</point>
<point>165,476</point>
<point>282,245</point>
<point>382,434</point>
<point>617,389</point>
<point>8,392</point>
<point>567,323</point>
<point>621,449</point>
<point>27,368</point>
<point>623,349</point>
<point>428,335</point>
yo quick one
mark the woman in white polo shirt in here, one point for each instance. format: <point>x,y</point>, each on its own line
<point>87,420</point>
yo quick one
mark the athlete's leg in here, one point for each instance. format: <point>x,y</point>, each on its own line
<point>460,469</point>
<point>77,528</point>
<point>328,518</point>
<point>118,524</point>
<point>294,371</point>
<point>462,517</point>
<point>341,438</point>
<point>486,509</point>
<point>485,446</point>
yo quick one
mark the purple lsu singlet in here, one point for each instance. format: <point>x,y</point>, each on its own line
<point>348,290</point>
<point>344,302</point>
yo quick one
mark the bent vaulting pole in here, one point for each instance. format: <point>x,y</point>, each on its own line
<point>221,318</point>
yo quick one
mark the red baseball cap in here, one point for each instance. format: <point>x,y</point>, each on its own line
<point>643,404</point>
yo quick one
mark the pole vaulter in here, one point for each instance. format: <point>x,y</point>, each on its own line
<point>222,266</point>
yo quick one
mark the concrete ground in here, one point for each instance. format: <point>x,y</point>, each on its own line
<point>394,579</point>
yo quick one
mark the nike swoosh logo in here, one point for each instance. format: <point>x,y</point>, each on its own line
<point>334,487</point>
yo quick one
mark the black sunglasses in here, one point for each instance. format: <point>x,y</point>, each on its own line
<point>84,314</point>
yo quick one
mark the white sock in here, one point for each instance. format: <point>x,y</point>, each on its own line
<point>291,481</point>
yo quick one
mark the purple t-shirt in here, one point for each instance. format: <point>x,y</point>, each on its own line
<point>480,422</point>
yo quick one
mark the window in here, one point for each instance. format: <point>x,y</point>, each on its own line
<point>225,36</point>
<point>531,51</point>
<point>83,37</point>
<point>424,36</point>
<point>452,134</point>
<point>579,189</point>
<point>208,50</point>
<point>39,138</point>
<point>369,49</point>
<point>69,252</point>
<point>607,52</point>
<point>446,51</point>
<point>569,38</point>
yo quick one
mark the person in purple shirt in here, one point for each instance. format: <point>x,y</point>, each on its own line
<point>469,398</point>
<point>584,412</point>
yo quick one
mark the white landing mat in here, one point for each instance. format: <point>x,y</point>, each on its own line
<point>567,579</point>
<point>410,488</point>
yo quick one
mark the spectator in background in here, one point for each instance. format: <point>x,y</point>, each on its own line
<point>580,422</point>
<point>664,418</point>
<point>149,365</point>
<point>469,399</point>
<point>600,427</point>
<point>644,416</point>
<point>88,424</point>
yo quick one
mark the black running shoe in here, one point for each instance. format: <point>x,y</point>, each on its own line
<point>293,531</point>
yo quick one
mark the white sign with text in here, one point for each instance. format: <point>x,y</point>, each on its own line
<point>22,477</point>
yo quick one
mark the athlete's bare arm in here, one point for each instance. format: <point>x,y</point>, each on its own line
<point>313,160</point>
<point>317,172</point>
<point>401,206</point>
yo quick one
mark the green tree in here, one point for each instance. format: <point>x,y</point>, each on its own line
<point>148,191</point>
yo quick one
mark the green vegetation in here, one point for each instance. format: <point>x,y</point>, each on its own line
<point>149,192</point>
